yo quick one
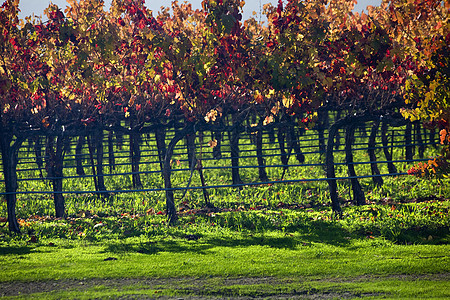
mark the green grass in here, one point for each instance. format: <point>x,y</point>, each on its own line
<point>287,262</point>
<point>235,256</point>
<point>374,251</point>
<point>269,241</point>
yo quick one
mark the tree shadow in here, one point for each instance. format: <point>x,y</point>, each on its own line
<point>326,233</point>
<point>322,232</point>
<point>286,242</point>
<point>15,250</point>
<point>174,246</point>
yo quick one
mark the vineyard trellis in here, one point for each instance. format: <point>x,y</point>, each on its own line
<point>54,153</point>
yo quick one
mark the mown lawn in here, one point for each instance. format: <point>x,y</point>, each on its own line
<point>376,251</point>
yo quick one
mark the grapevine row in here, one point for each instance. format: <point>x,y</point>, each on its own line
<point>89,69</point>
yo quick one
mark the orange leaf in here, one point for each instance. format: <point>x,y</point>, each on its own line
<point>212,143</point>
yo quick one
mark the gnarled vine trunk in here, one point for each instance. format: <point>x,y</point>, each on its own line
<point>322,123</point>
<point>96,147</point>
<point>331,174</point>
<point>166,171</point>
<point>409,148</point>
<point>419,139</point>
<point>79,155</point>
<point>358,194</point>
<point>259,153</point>
<point>195,164</point>
<point>377,180</point>
<point>38,151</point>
<point>217,149</point>
<point>234,135</point>
<point>55,149</point>
<point>384,139</point>
<point>10,160</point>
<point>135,154</point>
<point>281,143</point>
<point>337,141</point>
<point>295,144</point>
<point>160,135</point>
<point>100,152</point>
<point>111,155</point>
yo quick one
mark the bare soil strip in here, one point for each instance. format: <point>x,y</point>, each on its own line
<point>196,288</point>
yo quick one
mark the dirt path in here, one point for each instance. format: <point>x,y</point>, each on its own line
<point>210,288</point>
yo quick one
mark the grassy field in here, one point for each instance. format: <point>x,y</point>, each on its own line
<point>277,241</point>
<point>375,251</point>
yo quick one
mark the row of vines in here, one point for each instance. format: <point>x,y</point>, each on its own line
<point>86,71</point>
<point>105,162</point>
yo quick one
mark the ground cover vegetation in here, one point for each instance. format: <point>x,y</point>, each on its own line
<point>235,133</point>
<point>248,249</point>
<point>126,70</point>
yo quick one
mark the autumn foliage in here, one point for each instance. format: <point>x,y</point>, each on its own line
<point>86,66</point>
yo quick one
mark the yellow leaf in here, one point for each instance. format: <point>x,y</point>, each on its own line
<point>258,97</point>
<point>207,66</point>
<point>288,101</point>
<point>268,120</point>
<point>211,115</point>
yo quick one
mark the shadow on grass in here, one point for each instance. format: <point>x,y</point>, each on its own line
<point>326,233</point>
<point>322,232</point>
<point>156,247</point>
<point>15,250</point>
